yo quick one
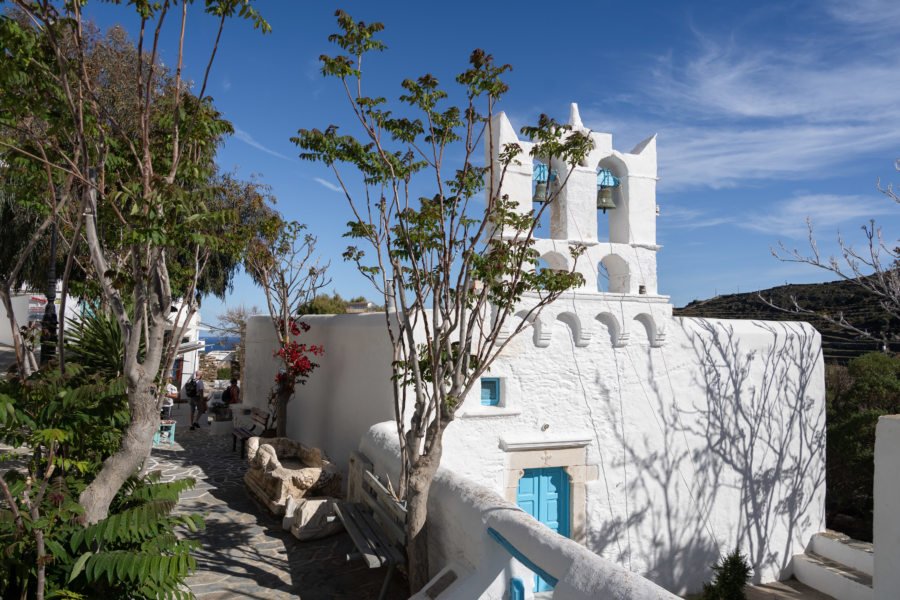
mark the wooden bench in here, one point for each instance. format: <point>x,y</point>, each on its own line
<point>260,420</point>
<point>376,523</point>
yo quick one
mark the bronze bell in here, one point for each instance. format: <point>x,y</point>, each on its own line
<point>540,192</point>
<point>604,199</point>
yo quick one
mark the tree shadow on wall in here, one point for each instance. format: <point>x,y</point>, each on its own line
<point>759,422</point>
<point>754,433</point>
<point>665,517</point>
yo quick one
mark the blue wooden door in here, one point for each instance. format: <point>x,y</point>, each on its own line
<point>544,494</point>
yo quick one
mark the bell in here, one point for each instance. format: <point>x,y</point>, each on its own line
<point>604,199</point>
<point>540,192</point>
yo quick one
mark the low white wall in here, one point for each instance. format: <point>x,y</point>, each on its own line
<point>459,515</point>
<point>887,508</point>
<point>349,391</point>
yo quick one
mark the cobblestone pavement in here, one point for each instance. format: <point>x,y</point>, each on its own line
<point>244,552</point>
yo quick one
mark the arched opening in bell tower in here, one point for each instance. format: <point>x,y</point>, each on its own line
<point>612,223</point>
<point>613,275</point>
<point>544,188</point>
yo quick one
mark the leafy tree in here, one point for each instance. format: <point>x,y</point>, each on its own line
<point>95,342</point>
<point>282,261</point>
<point>324,304</point>
<point>133,171</point>
<point>451,268</point>
<point>867,389</point>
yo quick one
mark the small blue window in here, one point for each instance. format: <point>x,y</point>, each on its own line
<point>490,391</point>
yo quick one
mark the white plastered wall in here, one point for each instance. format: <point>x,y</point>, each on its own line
<point>697,435</point>
<point>713,439</point>
<point>350,390</point>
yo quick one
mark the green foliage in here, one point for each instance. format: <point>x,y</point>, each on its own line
<point>68,424</point>
<point>134,553</point>
<point>223,373</point>
<point>868,388</point>
<point>731,575</point>
<point>95,342</point>
<point>324,304</point>
<point>84,415</point>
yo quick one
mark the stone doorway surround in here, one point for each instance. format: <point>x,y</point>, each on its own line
<point>568,451</point>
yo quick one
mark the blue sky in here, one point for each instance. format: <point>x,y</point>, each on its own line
<point>767,113</point>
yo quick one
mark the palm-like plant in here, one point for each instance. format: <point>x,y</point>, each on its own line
<point>95,342</point>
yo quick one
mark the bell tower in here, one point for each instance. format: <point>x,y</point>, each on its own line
<point>608,187</point>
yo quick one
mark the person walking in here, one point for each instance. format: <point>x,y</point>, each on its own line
<point>196,393</point>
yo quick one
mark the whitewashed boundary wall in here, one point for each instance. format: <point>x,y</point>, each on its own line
<point>683,438</point>
<point>459,514</point>
<point>887,508</point>
<point>676,452</point>
<point>349,392</point>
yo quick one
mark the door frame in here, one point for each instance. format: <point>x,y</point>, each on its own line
<point>571,455</point>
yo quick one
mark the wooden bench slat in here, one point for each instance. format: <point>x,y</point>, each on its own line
<point>387,522</point>
<point>360,540</point>
<point>382,545</point>
<point>384,496</point>
<point>379,545</point>
<point>372,540</point>
<point>260,418</point>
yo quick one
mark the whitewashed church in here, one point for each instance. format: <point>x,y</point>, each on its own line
<point>659,443</point>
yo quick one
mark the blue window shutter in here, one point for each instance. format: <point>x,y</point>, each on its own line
<point>490,391</point>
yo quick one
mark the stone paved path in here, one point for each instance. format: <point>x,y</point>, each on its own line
<point>245,553</point>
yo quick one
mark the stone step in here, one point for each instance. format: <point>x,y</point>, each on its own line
<point>842,548</point>
<point>832,578</point>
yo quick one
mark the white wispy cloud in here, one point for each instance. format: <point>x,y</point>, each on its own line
<point>688,218</point>
<point>826,212</point>
<point>736,109</point>
<point>331,186</point>
<point>245,137</point>
<point>872,16</point>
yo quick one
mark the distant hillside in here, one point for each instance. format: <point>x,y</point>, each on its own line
<point>838,345</point>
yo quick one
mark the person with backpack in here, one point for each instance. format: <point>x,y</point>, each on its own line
<point>196,393</point>
<point>232,394</point>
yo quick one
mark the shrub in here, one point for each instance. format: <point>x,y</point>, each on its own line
<point>68,423</point>
<point>867,389</point>
<point>731,575</point>
<point>133,553</point>
<point>95,342</point>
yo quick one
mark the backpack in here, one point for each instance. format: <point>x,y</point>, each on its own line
<point>190,388</point>
<point>226,395</point>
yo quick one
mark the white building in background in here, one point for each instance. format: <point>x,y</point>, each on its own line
<point>29,307</point>
<point>188,359</point>
<point>658,442</point>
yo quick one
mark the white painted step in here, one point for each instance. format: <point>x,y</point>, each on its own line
<point>845,550</point>
<point>832,578</point>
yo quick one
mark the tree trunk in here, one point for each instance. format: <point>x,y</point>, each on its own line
<point>23,360</point>
<point>421,475</point>
<point>281,402</point>
<point>96,498</point>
